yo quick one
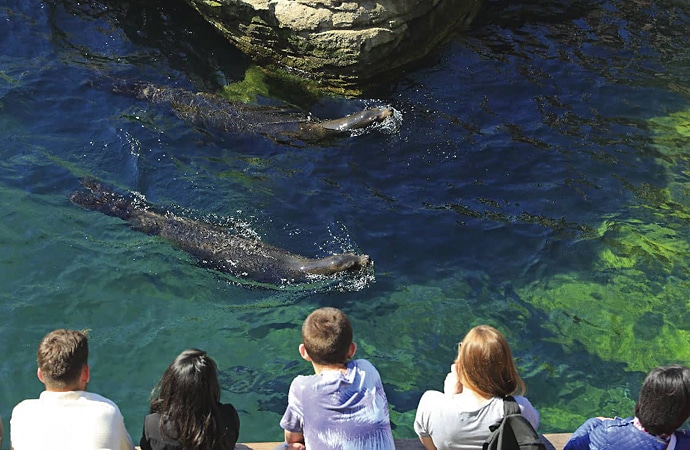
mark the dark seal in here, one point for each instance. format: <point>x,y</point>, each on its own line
<point>282,124</point>
<point>214,246</point>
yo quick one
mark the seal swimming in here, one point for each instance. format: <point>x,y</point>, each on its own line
<point>214,246</point>
<point>282,124</point>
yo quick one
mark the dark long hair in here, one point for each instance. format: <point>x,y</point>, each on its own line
<point>186,397</point>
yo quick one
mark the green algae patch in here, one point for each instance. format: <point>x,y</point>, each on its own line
<point>272,83</point>
<point>674,125</point>
<point>7,79</point>
<point>622,318</point>
<point>586,401</point>
<point>402,424</point>
<point>649,246</point>
<point>631,306</point>
<point>249,89</point>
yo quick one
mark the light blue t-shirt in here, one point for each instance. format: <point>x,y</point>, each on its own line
<point>340,411</point>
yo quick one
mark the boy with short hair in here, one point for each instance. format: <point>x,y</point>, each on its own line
<point>343,405</point>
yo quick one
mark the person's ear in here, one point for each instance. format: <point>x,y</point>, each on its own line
<point>303,353</point>
<point>352,350</point>
<point>85,374</point>
<point>39,374</point>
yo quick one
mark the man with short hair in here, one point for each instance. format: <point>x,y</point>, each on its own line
<point>66,416</point>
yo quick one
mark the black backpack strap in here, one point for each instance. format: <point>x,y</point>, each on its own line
<point>510,406</point>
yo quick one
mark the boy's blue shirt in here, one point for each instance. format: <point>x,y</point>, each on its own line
<point>336,410</point>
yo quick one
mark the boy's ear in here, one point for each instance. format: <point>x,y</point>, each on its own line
<point>39,374</point>
<point>303,353</point>
<point>351,352</point>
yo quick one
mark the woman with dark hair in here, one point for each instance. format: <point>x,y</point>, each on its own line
<point>482,376</point>
<point>186,413</point>
<point>662,407</point>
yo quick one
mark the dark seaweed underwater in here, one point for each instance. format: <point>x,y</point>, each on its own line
<point>537,179</point>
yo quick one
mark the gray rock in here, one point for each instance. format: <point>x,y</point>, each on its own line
<point>339,43</point>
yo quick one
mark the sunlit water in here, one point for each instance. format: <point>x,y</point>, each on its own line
<point>538,181</point>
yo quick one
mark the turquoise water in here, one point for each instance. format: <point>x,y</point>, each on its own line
<point>538,181</point>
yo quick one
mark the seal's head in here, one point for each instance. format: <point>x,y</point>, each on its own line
<point>361,119</point>
<point>336,263</point>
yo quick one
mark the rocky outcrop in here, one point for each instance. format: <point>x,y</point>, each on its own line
<point>340,43</point>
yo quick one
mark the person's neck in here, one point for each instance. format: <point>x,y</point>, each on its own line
<point>64,390</point>
<point>71,388</point>
<point>340,367</point>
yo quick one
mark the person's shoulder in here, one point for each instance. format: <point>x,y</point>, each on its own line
<point>301,382</point>
<point>151,420</point>
<point>364,364</point>
<point>682,434</point>
<point>434,397</point>
<point>96,397</point>
<point>611,422</point>
<point>301,379</point>
<point>613,426</point>
<point>28,403</point>
<point>227,408</point>
<point>366,368</point>
<point>682,439</point>
<point>528,410</point>
<point>435,394</point>
<point>100,401</point>
<point>523,402</point>
<point>620,433</point>
<point>435,402</point>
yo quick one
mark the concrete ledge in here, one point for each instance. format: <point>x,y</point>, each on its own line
<point>553,441</point>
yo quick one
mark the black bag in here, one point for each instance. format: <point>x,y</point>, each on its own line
<point>513,431</point>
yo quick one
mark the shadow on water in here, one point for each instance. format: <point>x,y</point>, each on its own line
<point>164,36</point>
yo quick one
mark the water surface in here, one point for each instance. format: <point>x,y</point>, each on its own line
<point>538,182</point>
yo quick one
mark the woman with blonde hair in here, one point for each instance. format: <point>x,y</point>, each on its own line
<point>482,375</point>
